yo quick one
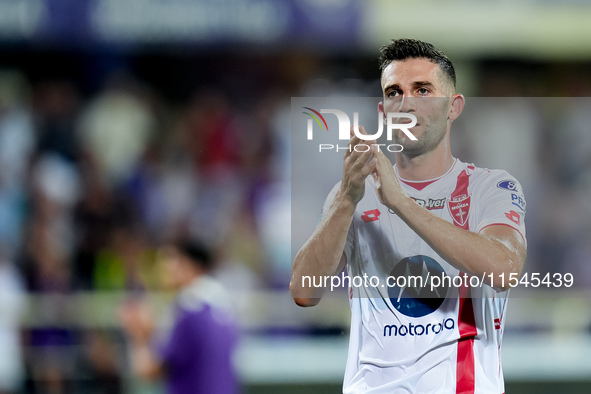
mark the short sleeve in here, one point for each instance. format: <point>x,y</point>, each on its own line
<point>502,202</point>
<point>351,233</point>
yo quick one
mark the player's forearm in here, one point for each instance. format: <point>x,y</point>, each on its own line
<point>472,253</point>
<point>321,254</point>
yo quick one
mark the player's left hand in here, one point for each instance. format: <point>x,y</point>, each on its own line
<point>387,184</point>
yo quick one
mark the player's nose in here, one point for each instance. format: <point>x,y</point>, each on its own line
<point>407,104</point>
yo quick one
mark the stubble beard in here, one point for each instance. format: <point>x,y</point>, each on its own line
<point>426,142</point>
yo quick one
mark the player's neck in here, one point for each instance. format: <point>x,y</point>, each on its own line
<point>430,165</point>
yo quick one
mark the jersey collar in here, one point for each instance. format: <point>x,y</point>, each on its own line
<point>420,185</point>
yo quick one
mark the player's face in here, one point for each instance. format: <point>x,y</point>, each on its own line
<point>418,86</point>
<point>177,269</point>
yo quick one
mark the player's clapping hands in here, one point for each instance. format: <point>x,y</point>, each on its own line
<point>387,184</point>
<point>357,166</point>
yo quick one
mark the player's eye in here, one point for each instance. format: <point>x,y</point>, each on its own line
<point>423,91</point>
<point>393,93</point>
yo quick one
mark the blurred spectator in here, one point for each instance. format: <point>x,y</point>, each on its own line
<point>17,142</point>
<point>94,216</point>
<point>273,205</point>
<point>115,129</point>
<point>195,356</point>
<point>125,263</point>
<point>56,104</point>
<point>47,261</point>
<point>212,137</point>
<point>103,364</point>
<point>50,241</point>
<point>12,303</point>
<point>164,188</point>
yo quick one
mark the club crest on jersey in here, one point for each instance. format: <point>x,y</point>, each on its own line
<point>459,209</point>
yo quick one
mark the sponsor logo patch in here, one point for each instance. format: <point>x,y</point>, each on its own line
<point>514,217</point>
<point>417,298</point>
<point>518,201</point>
<point>508,185</point>
<point>430,204</point>
<point>497,324</point>
<point>370,216</point>
<point>418,329</point>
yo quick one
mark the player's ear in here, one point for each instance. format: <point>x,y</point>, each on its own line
<point>381,109</point>
<point>457,105</point>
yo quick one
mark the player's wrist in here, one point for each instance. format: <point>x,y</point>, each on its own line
<point>348,197</point>
<point>401,204</point>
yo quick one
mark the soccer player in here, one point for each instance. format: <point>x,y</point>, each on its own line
<point>431,228</point>
<point>196,355</point>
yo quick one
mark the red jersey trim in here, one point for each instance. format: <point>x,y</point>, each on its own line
<point>420,185</point>
<point>465,379</point>
<point>465,375</point>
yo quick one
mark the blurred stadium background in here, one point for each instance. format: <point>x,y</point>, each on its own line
<point>126,123</point>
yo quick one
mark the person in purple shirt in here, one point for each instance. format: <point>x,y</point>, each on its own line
<point>195,355</point>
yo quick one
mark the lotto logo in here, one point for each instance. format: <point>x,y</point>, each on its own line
<point>514,217</point>
<point>370,216</point>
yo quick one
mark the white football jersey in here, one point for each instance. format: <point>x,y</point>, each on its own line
<point>409,337</point>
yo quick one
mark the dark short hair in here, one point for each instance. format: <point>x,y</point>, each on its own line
<point>408,48</point>
<point>197,252</point>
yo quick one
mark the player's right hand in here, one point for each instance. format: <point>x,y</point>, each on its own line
<point>387,184</point>
<point>358,164</point>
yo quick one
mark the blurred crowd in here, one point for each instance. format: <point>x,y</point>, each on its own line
<point>92,184</point>
<point>90,187</point>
